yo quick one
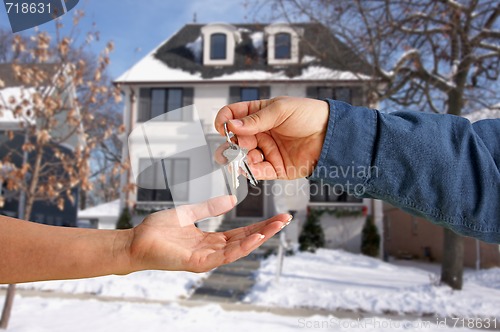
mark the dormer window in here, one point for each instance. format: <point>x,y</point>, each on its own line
<point>218,46</point>
<point>282,45</point>
<point>219,42</point>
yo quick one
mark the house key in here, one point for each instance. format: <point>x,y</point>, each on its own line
<point>237,157</point>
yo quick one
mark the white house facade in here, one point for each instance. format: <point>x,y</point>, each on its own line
<point>211,65</point>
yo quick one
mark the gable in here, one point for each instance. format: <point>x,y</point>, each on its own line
<point>321,57</point>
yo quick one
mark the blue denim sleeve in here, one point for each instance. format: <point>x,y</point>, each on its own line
<point>439,167</point>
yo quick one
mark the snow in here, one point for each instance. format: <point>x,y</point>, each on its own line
<point>35,314</point>
<point>329,279</point>
<point>333,279</point>
<point>258,41</point>
<point>196,48</point>
<point>150,69</point>
<point>308,59</point>
<point>323,73</point>
<point>151,285</point>
<point>109,209</point>
<point>13,96</point>
<point>309,73</point>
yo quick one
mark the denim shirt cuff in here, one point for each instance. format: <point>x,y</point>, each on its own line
<point>346,155</point>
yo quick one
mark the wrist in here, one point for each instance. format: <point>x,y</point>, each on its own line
<point>121,253</point>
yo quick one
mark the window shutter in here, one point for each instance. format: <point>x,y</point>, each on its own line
<point>144,112</point>
<point>234,94</point>
<point>357,96</point>
<point>312,92</point>
<point>264,92</point>
<point>187,100</point>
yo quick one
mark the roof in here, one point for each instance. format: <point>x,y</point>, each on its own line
<point>8,121</point>
<point>109,209</point>
<point>322,57</point>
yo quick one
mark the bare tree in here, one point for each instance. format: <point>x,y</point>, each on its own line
<point>427,55</point>
<point>57,108</point>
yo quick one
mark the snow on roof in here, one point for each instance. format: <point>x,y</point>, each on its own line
<point>13,96</point>
<point>484,114</point>
<point>196,48</point>
<point>258,41</point>
<point>109,209</point>
<point>150,69</point>
<point>308,59</point>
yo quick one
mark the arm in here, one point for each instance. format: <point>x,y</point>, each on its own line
<point>165,240</point>
<point>436,166</point>
<point>440,167</point>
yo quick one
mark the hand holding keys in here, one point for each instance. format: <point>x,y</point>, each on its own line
<point>237,158</point>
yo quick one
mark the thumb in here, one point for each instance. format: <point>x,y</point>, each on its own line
<point>258,122</point>
<point>189,214</point>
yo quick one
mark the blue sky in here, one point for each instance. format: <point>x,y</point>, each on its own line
<point>136,27</point>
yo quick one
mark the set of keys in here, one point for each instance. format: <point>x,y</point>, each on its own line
<point>237,159</point>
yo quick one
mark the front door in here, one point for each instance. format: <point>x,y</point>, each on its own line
<point>253,206</point>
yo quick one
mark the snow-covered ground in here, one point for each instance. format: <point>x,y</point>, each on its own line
<point>34,314</point>
<point>333,279</point>
<point>152,285</point>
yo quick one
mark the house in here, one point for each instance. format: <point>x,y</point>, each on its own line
<point>13,135</point>
<point>407,236</point>
<point>211,65</point>
<point>102,216</point>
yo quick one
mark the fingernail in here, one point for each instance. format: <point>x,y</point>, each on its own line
<point>287,222</point>
<point>237,123</point>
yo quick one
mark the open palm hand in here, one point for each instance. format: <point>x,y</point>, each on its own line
<point>169,240</point>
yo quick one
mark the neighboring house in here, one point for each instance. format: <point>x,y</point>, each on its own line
<point>43,211</point>
<point>215,64</point>
<point>102,216</point>
<point>407,236</point>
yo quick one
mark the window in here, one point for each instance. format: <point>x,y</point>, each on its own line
<point>322,92</point>
<point>343,94</point>
<point>247,94</point>
<point>238,93</point>
<point>157,101</point>
<point>282,46</point>
<point>164,101</point>
<point>218,42</point>
<point>325,93</point>
<point>324,193</point>
<point>175,170</point>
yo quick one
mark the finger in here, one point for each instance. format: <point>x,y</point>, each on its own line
<point>255,156</point>
<point>244,247</point>
<point>247,142</point>
<point>187,214</point>
<point>241,245</point>
<point>242,232</point>
<point>271,151</point>
<point>263,171</point>
<point>238,110</point>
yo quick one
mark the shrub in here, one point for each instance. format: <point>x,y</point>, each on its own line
<point>370,239</point>
<point>312,236</point>
<point>125,220</point>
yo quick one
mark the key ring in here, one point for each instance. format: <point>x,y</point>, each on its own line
<point>228,137</point>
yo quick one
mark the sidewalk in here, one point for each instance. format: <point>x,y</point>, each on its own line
<point>231,282</point>
<point>315,314</point>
